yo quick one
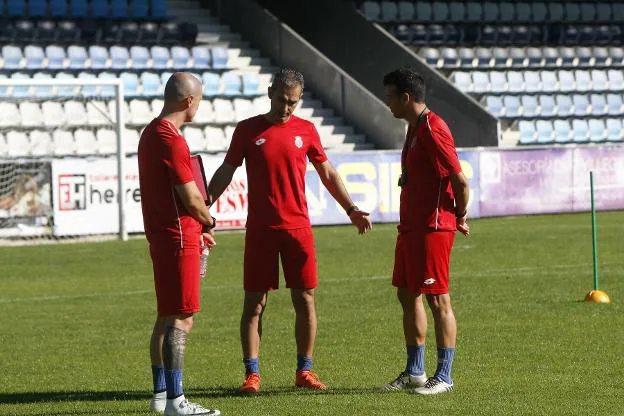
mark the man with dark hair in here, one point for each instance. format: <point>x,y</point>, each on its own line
<point>434,201</point>
<point>275,147</point>
<point>173,214</point>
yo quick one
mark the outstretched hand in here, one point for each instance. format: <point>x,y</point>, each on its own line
<point>462,226</point>
<point>361,220</point>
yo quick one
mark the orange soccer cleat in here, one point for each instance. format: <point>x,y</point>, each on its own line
<point>251,383</point>
<point>309,380</point>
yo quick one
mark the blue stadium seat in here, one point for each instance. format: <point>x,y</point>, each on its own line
<point>406,11</point>
<point>484,57</point>
<point>534,57</point>
<point>138,9</point>
<point>498,82</point>
<point>481,82</point>
<point>151,84</point>
<point>580,131</point>
<point>604,13</point>
<point>527,132</point>
<point>615,104</point>
<point>231,82</point>
<point>56,57</point>
<point>12,57</point>
<point>160,57</point>
<point>550,57</point>
<point>518,57</point>
<point>616,80</point>
<point>494,105</point>
<point>462,80</point>
<point>107,90</point>
<point>119,9</point>
<point>42,91</point>
<point>555,12</point>
<point>181,57</point>
<point>220,58</point>
<point>212,84</point>
<point>78,8</point>
<point>99,57</point>
<point>599,80</point>
<point>164,77</point>
<point>616,53</point>
<point>424,12</point>
<point>567,56</point>
<point>389,11</point>
<point>36,8</point>
<point>539,12</point>
<point>431,56</point>
<point>491,12</point>
<point>119,57</point>
<point>22,90</point>
<point>572,12</point>
<point>583,56</point>
<point>532,81</point>
<point>449,57</point>
<point>598,104</point>
<point>615,131</point>
<point>515,81</point>
<point>77,57</point>
<point>549,81</point>
<point>131,84</point>
<point>158,9</point>
<point>371,10</point>
<point>457,12</point>
<point>100,9</point>
<point>581,105</point>
<point>563,133</point>
<point>16,8</point>
<point>201,57</point>
<point>251,84</point>
<point>601,55</point>
<point>547,106</point>
<point>545,133</point>
<point>618,12</point>
<point>58,8</point>
<point>530,107</point>
<point>87,90</point>
<point>566,81</point>
<point>513,107</point>
<point>507,12</point>
<point>139,56</point>
<point>34,57</point>
<point>474,12</point>
<point>564,105</point>
<point>583,81</point>
<point>466,57</point>
<point>4,90</point>
<point>501,57</point>
<point>65,91</point>
<point>597,131</point>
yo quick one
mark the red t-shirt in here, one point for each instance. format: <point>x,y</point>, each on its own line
<point>427,200</point>
<point>164,162</point>
<point>275,159</point>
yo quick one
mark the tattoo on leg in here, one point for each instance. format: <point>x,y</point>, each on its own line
<point>173,348</point>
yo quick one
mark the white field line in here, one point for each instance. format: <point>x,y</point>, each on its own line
<point>548,269</point>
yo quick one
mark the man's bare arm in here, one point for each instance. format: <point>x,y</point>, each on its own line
<point>194,202</point>
<point>220,181</point>
<point>461,191</point>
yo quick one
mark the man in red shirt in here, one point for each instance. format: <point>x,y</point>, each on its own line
<point>434,200</point>
<point>173,215</point>
<point>275,147</point>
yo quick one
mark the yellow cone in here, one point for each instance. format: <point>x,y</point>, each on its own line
<point>597,296</point>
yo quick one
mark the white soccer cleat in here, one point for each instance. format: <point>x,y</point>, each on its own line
<point>182,407</point>
<point>433,386</point>
<point>158,402</point>
<point>405,381</point>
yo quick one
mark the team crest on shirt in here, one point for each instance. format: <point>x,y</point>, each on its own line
<point>429,281</point>
<point>298,141</point>
<point>260,141</point>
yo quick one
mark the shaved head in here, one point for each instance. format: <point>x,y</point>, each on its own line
<point>182,85</point>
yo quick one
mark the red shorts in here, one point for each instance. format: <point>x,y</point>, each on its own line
<point>176,278</point>
<point>294,247</point>
<point>421,261</point>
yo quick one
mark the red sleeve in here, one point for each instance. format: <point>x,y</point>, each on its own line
<point>236,151</point>
<point>440,148</point>
<point>177,158</point>
<point>316,153</point>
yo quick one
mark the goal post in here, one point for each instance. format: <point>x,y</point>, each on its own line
<point>41,118</point>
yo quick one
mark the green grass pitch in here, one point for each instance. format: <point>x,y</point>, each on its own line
<point>76,319</point>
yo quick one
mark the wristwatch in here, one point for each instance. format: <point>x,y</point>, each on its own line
<point>206,227</point>
<point>351,209</point>
<point>458,216</point>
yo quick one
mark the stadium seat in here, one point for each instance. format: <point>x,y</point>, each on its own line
<point>99,57</point>
<point>551,57</point>
<point>212,84</point>
<point>547,106</point>
<point>566,81</point>
<point>243,109</point>
<point>138,9</point>
<point>63,142</point>
<point>545,133</point>
<point>389,11</point>
<point>371,10</point>
<point>23,31</point>
<point>35,57</point>
<point>58,8</point>
<point>107,90</point>
<point>616,55</point>
<point>215,139</point>
<point>598,104</point>
<point>43,91</point>
<point>466,57</point>
<point>580,131</point>
<point>68,32</point>
<point>550,83</point>
<point>481,82</point>
<point>597,131</point>
<point>151,84</point>
<point>120,57</point>
<point>86,144</point>
<point>583,56</point>
<point>40,143</point>
<point>157,104</point>
<point>98,113</point>
<point>501,57</point>
<point>160,57</point>
<point>562,130</point>
<point>484,57</point>
<point>474,12</point>
<point>527,132</point>
<point>158,9</point>
<point>231,83</point>
<point>498,82</point>
<point>424,12</point>
<point>616,80</point>
<point>16,8</point>
<point>139,56</point>
<point>100,9</point>
<point>534,57</point>
<point>494,105</point>
<point>440,11</point>
<point>530,107</point>
<point>513,107</point>
<point>181,57</point>
<point>201,57</point>
<point>131,138</point>
<point>30,114</point>
<point>148,32</point>
<point>515,81</point>
<point>220,58</point>
<point>18,144</point>
<point>55,56</point>
<point>431,56</point>
<point>87,90</point>
<point>66,91</point>
<point>251,84</point>
<point>457,12</point>
<point>599,80</point>
<point>205,113</point>
<point>164,77</point>
<point>111,110</point>
<point>78,113</point>
<point>131,84</point>
<point>449,57</point>
<point>45,31</point>
<point>615,104</point>
<point>583,80</point>
<point>78,9</point>
<point>195,139</point>
<point>518,57</point>
<point>12,57</point>
<point>106,141</point>
<point>532,82</point>
<point>406,11</point>
<point>564,105</point>
<point>119,9</point>
<point>224,112</point>
<point>22,90</point>
<point>10,114</point>
<point>615,130</point>
<point>4,90</point>
<point>77,57</point>
<point>36,8</point>
<point>581,105</point>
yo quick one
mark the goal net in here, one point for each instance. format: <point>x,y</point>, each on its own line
<point>61,164</point>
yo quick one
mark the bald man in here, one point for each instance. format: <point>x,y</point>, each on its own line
<point>177,223</point>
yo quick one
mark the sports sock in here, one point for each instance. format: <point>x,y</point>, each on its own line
<point>174,383</point>
<point>158,376</point>
<point>304,363</point>
<point>415,365</point>
<point>445,364</point>
<point>251,365</point>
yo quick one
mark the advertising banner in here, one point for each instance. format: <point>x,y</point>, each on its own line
<point>607,163</point>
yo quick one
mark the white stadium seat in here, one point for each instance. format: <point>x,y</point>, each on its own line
<point>243,109</point>
<point>30,114</point>
<point>106,141</point>
<point>77,113</point>
<point>53,114</point>
<point>85,142</point>
<point>63,142</point>
<point>140,112</point>
<point>224,112</point>
<point>215,139</point>
<point>10,115</point>
<point>205,113</point>
<point>195,139</point>
<point>17,144</point>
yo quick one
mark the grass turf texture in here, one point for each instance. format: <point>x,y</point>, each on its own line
<point>76,320</point>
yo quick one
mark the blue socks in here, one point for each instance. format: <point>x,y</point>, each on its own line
<point>304,363</point>
<point>251,365</point>
<point>445,364</point>
<point>415,365</point>
<point>174,383</point>
<point>158,376</point>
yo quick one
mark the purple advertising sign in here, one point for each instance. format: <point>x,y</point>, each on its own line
<point>607,163</point>
<point>526,182</point>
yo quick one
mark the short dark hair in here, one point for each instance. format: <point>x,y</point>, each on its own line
<point>288,77</point>
<point>406,80</point>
